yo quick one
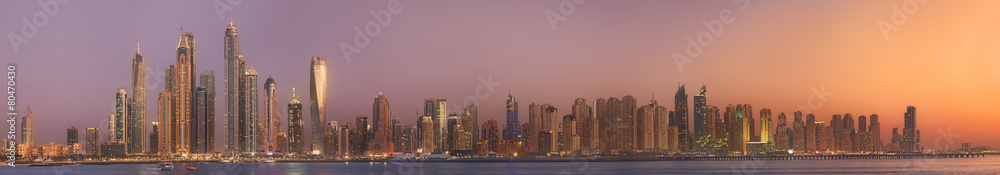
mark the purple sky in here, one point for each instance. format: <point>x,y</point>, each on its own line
<point>942,59</point>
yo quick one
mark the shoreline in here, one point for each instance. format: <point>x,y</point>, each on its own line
<point>559,159</point>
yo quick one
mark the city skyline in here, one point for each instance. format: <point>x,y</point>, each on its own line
<point>850,89</point>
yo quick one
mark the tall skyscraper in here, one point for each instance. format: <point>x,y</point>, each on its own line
<point>381,126</point>
<point>164,114</point>
<point>207,122</point>
<point>535,124</point>
<point>645,137</point>
<point>296,130</point>
<point>92,139</point>
<point>27,125</point>
<point>604,131</point>
<point>235,67</point>
<point>838,134</point>
<point>810,127</point>
<point>184,89</point>
<point>427,143</point>
<point>571,140</point>
<point>197,130</point>
<point>849,131</point>
<point>154,139</point>
<point>361,136</point>
<point>491,134</point>
<point>910,137</point>
<point>550,122</point>
<point>864,140</point>
<point>271,120</point>
<point>510,131</point>
<point>781,138</point>
<point>72,135</point>
<point>248,121</point>
<point>874,129</point>
<point>661,127</point>
<point>137,118</point>
<point>121,125</point>
<point>627,113</point>
<point>701,120</point>
<point>586,125</point>
<point>681,118</point>
<point>317,101</point>
<point>437,110</point>
<point>472,112</point>
<point>330,138</point>
<point>766,125</point>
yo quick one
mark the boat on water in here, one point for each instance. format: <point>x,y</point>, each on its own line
<point>192,168</point>
<point>166,166</point>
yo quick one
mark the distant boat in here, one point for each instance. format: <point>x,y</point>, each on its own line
<point>166,166</point>
<point>192,168</point>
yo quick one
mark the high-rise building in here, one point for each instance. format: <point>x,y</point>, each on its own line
<point>645,117</point>
<point>235,67</point>
<point>491,134</point>
<point>331,137</point>
<point>702,125</point>
<point>780,137</point>
<point>849,131</point>
<point>271,121</point>
<point>296,135</point>
<point>864,139</point>
<point>345,139</point>
<point>681,118</point>
<point>437,110</point>
<point>27,124</point>
<point>470,122</point>
<point>837,130</point>
<point>798,131</point>
<point>248,121</point>
<point>72,136</point>
<point>282,145</point>
<point>381,126</point>
<point>427,144</point>
<point>207,121</point>
<point>511,130</point>
<point>810,132</point>
<point>874,129</point>
<point>911,140</point>
<point>317,100</point>
<point>535,124</point>
<point>121,123</point>
<point>164,114</point>
<point>197,129</point>
<point>661,128</point>
<point>408,138</point>
<point>92,140</point>
<point>766,125</point>
<point>550,122</point>
<point>154,139</point>
<point>571,140</point>
<point>137,118</point>
<point>604,130</point>
<point>586,125</point>
<point>361,135</point>
<point>184,91</point>
<point>628,121</point>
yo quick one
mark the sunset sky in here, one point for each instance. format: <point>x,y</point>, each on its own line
<point>943,57</point>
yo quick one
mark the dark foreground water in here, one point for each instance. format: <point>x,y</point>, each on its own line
<point>982,165</point>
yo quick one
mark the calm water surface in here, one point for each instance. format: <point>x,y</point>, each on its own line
<point>982,165</point>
